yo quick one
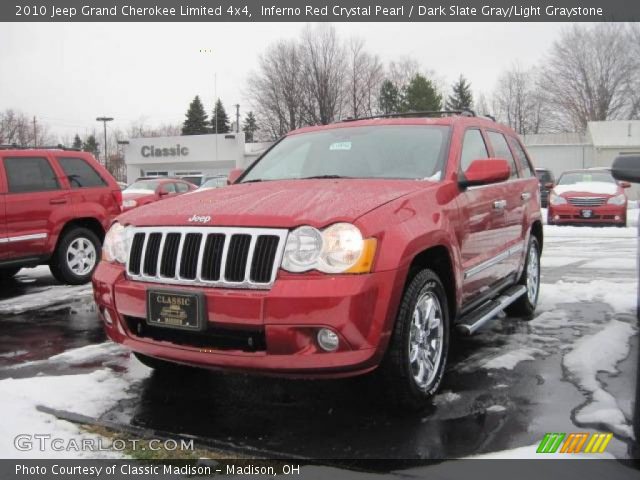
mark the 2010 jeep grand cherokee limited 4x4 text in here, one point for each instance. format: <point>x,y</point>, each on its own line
<point>344,249</point>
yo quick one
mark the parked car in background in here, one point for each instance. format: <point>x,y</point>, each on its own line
<point>55,207</point>
<point>547,182</point>
<point>143,192</point>
<point>196,180</point>
<point>588,197</point>
<point>346,248</point>
<point>122,185</point>
<point>213,182</point>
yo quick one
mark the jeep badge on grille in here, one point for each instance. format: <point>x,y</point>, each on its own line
<point>200,219</point>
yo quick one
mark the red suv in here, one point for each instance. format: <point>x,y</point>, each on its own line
<point>344,249</point>
<point>55,206</point>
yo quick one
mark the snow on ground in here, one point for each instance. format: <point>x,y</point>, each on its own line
<point>510,359</point>
<point>44,297</point>
<point>87,394</point>
<point>596,353</point>
<point>621,295</point>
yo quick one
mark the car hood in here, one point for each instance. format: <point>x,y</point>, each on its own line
<point>590,188</point>
<point>282,203</point>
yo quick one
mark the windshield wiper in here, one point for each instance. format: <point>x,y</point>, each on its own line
<point>323,176</point>
<point>255,180</point>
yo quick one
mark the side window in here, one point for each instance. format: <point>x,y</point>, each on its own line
<point>182,187</point>
<point>521,157</point>
<point>501,150</point>
<point>30,174</point>
<point>169,188</point>
<point>80,173</point>
<point>473,148</point>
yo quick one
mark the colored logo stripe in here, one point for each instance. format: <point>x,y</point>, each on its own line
<point>550,443</point>
<point>574,442</point>
<point>598,442</point>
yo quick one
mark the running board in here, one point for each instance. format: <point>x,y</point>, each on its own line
<point>471,322</point>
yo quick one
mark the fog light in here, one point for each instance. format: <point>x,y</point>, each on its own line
<point>556,217</point>
<point>107,317</point>
<point>617,217</point>
<point>328,340</point>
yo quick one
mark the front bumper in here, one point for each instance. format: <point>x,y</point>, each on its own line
<point>572,215</point>
<point>282,323</point>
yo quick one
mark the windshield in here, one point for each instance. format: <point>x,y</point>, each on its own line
<point>144,186</point>
<point>403,152</point>
<point>571,178</point>
<point>213,183</point>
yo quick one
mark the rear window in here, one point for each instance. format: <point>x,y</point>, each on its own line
<point>80,174</point>
<point>30,174</point>
<point>402,152</point>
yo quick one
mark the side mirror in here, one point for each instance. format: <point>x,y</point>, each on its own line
<point>234,175</point>
<point>627,169</point>
<point>485,171</point>
<point>549,185</point>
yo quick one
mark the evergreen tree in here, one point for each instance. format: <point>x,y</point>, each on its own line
<point>389,100</point>
<point>220,118</point>
<point>91,145</point>
<point>249,127</point>
<point>195,122</point>
<point>461,97</point>
<point>421,95</point>
<point>77,142</point>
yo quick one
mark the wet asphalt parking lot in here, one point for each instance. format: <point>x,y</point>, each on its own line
<point>504,389</point>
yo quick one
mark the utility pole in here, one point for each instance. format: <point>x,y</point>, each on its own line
<point>237,105</point>
<point>104,121</point>
<point>35,133</point>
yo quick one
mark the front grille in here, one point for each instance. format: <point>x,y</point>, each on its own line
<point>587,201</point>
<point>209,256</point>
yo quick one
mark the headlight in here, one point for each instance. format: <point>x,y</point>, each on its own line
<point>555,199</point>
<point>129,204</point>
<point>617,200</point>
<point>339,248</point>
<point>117,244</point>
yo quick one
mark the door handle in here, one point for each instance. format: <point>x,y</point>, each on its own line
<point>525,196</point>
<point>499,204</point>
<point>60,201</point>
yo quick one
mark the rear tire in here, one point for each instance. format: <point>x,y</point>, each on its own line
<point>416,358</point>
<point>76,256</point>
<point>7,274</point>
<point>525,306</point>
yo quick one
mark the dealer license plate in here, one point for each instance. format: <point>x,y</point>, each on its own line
<point>171,309</point>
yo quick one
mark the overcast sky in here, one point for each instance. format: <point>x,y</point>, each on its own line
<point>67,74</point>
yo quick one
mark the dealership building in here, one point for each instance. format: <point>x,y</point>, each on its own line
<point>189,155</point>
<point>597,147</point>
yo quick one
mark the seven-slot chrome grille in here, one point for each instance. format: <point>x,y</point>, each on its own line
<point>587,201</point>
<point>211,256</point>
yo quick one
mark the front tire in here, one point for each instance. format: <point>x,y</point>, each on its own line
<point>76,256</point>
<point>525,306</point>
<point>417,355</point>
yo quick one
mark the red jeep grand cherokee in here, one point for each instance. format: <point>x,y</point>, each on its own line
<point>345,248</point>
<point>588,197</point>
<point>55,206</point>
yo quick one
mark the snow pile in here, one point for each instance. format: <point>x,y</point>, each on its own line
<point>510,359</point>
<point>603,188</point>
<point>600,352</point>
<point>43,298</point>
<point>88,394</point>
<point>621,296</point>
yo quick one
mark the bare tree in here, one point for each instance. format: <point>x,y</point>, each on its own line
<point>363,79</point>
<point>323,67</point>
<point>401,71</point>
<point>275,91</point>
<point>588,73</point>
<point>518,102</point>
<point>18,128</point>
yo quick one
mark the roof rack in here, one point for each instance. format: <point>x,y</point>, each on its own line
<point>44,147</point>
<point>428,113</point>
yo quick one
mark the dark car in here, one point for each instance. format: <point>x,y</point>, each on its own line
<point>547,182</point>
